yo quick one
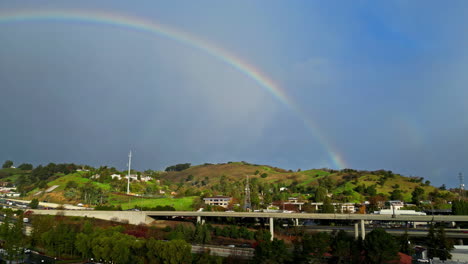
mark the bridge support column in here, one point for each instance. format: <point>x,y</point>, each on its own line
<point>356,231</point>
<point>271,228</point>
<point>460,241</point>
<point>363,230</point>
<point>199,220</point>
<point>296,222</point>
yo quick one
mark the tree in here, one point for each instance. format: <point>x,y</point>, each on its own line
<point>7,164</point>
<point>25,166</point>
<point>202,234</point>
<point>327,207</point>
<point>273,252</point>
<point>12,236</point>
<point>396,195</point>
<point>417,195</point>
<point>71,184</point>
<point>34,203</point>
<point>444,245</point>
<point>320,194</point>
<point>171,252</point>
<point>341,246</point>
<point>178,167</point>
<point>380,247</point>
<point>315,245</point>
<point>460,207</point>
<point>431,242</point>
<point>405,244</point>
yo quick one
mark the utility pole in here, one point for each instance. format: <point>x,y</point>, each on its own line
<point>128,176</point>
<point>247,202</point>
<point>462,186</point>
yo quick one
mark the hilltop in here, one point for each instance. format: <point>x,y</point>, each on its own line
<point>65,183</point>
<point>346,182</point>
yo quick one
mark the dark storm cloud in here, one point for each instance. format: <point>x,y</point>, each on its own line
<point>384,82</point>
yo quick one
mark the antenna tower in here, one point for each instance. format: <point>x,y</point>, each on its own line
<point>247,202</point>
<point>462,186</point>
<point>128,176</point>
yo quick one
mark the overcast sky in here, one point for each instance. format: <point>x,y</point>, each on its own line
<point>379,84</point>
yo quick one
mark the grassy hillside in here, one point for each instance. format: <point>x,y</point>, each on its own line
<point>342,181</point>
<point>12,174</point>
<point>219,179</point>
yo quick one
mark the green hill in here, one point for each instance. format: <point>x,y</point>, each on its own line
<point>191,183</point>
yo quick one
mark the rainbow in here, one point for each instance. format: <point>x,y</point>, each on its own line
<point>145,26</point>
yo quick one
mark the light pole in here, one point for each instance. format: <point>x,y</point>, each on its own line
<point>128,176</point>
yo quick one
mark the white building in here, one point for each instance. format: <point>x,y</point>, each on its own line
<point>116,176</point>
<point>222,201</point>
<point>345,208</point>
<point>133,177</point>
<point>398,212</point>
<point>395,204</point>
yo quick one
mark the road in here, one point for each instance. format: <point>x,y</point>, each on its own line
<point>419,232</point>
<point>137,217</point>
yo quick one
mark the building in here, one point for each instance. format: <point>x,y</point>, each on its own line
<point>398,212</point>
<point>345,208</point>
<point>222,201</point>
<point>114,176</point>
<point>395,204</point>
<point>133,177</point>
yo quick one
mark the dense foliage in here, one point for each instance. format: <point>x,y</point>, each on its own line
<point>178,167</point>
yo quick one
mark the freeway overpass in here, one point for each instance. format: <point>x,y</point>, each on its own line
<point>146,217</point>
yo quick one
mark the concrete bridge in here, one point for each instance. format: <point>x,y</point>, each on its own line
<point>146,217</point>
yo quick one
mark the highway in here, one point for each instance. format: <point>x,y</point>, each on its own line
<point>356,217</point>
<point>148,216</point>
<point>419,232</point>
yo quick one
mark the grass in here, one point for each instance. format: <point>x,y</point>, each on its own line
<point>12,174</point>
<point>128,202</point>
<point>312,175</point>
<point>76,177</point>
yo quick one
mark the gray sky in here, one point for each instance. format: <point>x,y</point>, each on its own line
<point>382,83</point>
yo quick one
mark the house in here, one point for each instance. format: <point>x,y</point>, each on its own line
<point>395,204</point>
<point>11,194</point>
<point>145,178</point>
<point>133,177</point>
<point>116,176</point>
<point>345,208</point>
<point>222,201</point>
<point>282,189</point>
<point>287,206</point>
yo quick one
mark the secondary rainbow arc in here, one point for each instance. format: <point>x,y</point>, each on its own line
<point>138,24</point>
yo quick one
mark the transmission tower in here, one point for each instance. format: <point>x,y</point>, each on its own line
<point>462,186</point>
<point>247,202</point>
